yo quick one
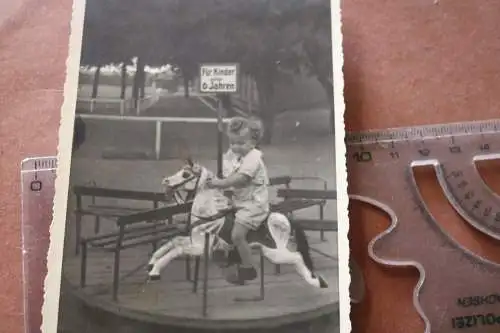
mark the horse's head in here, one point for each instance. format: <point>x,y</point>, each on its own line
<point>188,179</point>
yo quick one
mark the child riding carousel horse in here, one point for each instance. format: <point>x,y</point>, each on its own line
<point>246,180</point>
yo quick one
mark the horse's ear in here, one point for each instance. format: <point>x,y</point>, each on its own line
<point>190,162</point>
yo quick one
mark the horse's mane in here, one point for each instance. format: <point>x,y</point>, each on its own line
<point>203,193</point>
<point>205,174</point>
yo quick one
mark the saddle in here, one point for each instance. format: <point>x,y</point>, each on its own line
<point>261,235</point>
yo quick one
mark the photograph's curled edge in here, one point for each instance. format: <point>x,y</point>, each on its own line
<point>52,284</point>
<point>341,169</point>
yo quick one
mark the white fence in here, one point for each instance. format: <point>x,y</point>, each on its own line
<point>157,120</point>
<point>126,104</point>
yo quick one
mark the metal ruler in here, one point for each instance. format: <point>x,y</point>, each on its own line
<point>458,290</point>
<point>37,177</point>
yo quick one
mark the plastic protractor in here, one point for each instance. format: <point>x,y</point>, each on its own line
<point>457,289</point>
<point>464,186</point>
<point>453,150</point>
<point>37,177</point>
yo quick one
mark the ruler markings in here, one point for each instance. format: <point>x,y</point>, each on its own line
<point>463,278</point>
<point>37,177</point>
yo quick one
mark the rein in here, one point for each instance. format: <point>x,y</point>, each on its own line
<point>206,219</point>
<point>190,194</point>
<point>201,220</point>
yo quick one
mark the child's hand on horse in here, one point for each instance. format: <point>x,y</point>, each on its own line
<point>213,182</point>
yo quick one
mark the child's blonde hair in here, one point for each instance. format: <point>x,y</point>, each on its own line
<point>238,125</point>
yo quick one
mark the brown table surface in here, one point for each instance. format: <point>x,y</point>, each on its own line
<point>406,63</point>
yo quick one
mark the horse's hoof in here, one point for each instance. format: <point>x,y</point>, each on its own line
<point>322,282</point>
<point>154,277</point>
<point>149,267</point>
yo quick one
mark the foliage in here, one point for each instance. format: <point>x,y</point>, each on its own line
<point>268,38</point>
<point>259,34</point>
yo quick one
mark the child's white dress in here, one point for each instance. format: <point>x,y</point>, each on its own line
<point>252,200</point>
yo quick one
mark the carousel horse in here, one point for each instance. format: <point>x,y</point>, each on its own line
<point>209,213</point>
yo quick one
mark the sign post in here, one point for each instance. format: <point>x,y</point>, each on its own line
<point>219,78</point>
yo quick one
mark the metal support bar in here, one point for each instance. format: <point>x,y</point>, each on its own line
<point>83,268</point>
<point>220,131</point>
<point>196,274</point>
<point>260,297</point>
<point>205,273</point>
<point>261,275</point>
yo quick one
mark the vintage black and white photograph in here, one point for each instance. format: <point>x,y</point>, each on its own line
<point>203,192</point>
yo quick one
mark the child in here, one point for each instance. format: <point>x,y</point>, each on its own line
<point>246,175</point>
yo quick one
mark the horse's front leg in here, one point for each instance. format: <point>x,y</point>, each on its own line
<point>163,250</point>
<point>178,246</point>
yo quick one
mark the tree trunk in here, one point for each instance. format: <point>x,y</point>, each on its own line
<point>328,87</point>
<point>267,116</point>
<point>185,81</point>
<point>95,84</point>
<point>142,82</point>
<point>314,54</point>
<point>135,86</point>
<point>267,113</point>
<point>123,81</point>
<point>139,73</point>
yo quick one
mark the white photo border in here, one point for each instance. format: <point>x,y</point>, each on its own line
<point>50,309</point>
<point>341,169</point>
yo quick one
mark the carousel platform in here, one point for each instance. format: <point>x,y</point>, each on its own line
<point>171,304</point>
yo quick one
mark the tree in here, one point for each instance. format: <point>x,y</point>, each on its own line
<point>313,51</point>
<point>106,40</point>
<point>183,35</point>
<point>266,37</point>
<point>252,33</point>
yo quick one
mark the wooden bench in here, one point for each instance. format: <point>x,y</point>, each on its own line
<point>134,230</point>
<point>289,204</point>
<point>312,224</point>
<point>100,211</point>
<point>320,223</point>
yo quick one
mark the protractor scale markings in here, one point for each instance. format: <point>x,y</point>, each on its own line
<point>458,290</point>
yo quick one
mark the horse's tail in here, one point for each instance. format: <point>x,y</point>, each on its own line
<point>303,246</point>
<point>303,249</point>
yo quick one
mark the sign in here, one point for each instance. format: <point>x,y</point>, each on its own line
<point>219,78</point>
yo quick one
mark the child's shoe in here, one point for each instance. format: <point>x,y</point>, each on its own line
<point>241,275</point>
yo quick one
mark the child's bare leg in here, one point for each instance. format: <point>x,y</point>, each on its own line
<point>246,271</point>
<point>239,238</point>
